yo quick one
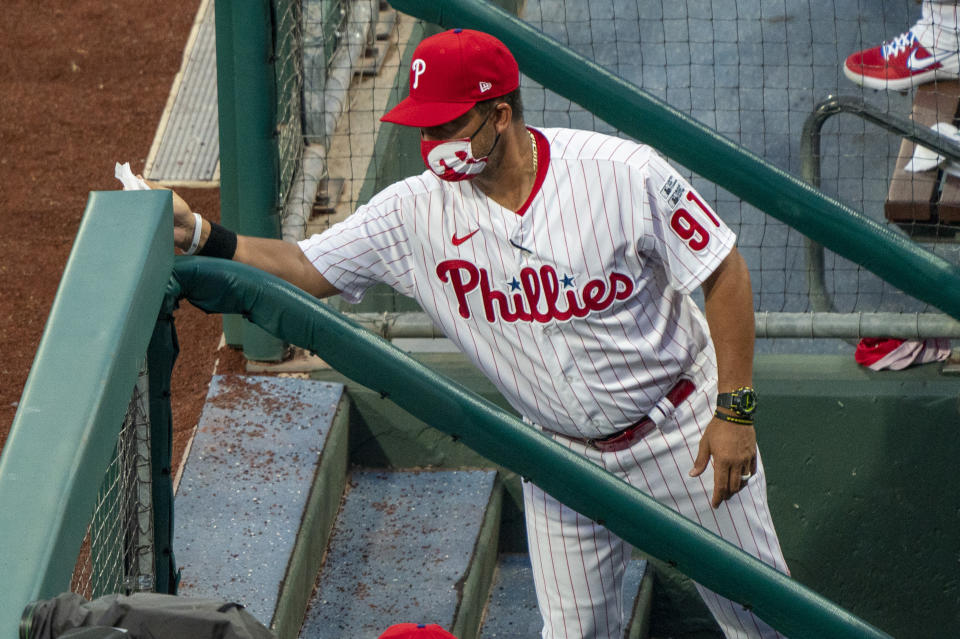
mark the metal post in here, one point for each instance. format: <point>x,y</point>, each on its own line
<point>248,147</point>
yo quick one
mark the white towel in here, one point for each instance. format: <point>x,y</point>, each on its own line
<point>130,181</point>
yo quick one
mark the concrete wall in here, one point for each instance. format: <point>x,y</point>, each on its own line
<point>860,470</point>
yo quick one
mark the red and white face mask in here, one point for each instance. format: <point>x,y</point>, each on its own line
<point>453,160</point>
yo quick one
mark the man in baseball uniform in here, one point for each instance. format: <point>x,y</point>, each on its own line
<point>561,262</point>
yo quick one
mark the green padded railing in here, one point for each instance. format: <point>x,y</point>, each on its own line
<point>884,252</point>
<point>78,390</point>
<point>299,318</point>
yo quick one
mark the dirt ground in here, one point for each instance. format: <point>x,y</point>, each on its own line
<point>83,85</point>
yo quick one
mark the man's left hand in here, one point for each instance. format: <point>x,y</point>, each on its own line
<point>734,451</point>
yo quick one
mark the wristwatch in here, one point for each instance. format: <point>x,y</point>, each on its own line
<point>742,401</point>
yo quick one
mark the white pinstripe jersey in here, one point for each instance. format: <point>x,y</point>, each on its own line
<point>576,306</point>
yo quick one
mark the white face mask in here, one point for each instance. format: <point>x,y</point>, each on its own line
<point>453,160</point>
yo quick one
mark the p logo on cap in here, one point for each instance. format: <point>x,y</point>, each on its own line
<point>450,73</point>
<point>417,68</point>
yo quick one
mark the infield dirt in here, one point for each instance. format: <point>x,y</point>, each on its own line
<point>83,86</point>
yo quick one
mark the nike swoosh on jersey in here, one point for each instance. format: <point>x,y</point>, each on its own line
<point>457,241</point>
<point>918,64</point>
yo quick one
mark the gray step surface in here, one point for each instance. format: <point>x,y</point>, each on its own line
<point>247,484</point>
<point>401,551</point>
<point>512,611</point>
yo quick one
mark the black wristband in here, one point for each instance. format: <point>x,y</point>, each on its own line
<point>745,421</point>
<point>222,242</point>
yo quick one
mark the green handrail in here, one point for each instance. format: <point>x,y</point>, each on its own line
<point>880,250</point>
<point>78,390</point>
<point>299,318</point>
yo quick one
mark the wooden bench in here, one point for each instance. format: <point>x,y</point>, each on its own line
<point>922,202</point>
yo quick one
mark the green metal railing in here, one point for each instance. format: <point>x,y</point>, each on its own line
<point>78,390</point>
<point>301,319</point>
<point>880,250</point>
<point>820,299</point>
<point>249,140</point>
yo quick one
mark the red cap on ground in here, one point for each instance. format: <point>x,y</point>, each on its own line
<point>451,72</point>
<point>870,350</point>
<point>416,631</point>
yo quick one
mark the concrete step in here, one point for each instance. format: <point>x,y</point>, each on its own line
<point>259,493</point>
<point>265,500</point>
<point>512,610</point>
<point>408,546</point>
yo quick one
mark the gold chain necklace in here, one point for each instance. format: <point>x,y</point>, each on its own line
<point>533,143</point>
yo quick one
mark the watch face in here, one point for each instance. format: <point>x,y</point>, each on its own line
<point>746,401</point>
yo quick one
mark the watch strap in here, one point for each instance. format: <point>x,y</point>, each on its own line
<point>745,421</point>
<point>734,399</point>
<point>725,400</point>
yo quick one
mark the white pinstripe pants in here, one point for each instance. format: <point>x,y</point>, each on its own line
<point>578,565</point>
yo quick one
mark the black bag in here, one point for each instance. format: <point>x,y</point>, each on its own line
<point>139,616</point>
<point>96,632</point>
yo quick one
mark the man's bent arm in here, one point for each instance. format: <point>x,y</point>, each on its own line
<point>286,261</point>
<point>728,305</point>
<point>280,258</point>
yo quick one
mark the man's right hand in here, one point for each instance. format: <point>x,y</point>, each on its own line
<point>184,220</point>
<point>283,259</point>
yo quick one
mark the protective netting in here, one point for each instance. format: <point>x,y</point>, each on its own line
<point>288,52</point>
<point>754,71</point>
<point>117,555</point>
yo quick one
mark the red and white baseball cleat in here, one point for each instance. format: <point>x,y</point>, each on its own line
<point>901,64</point>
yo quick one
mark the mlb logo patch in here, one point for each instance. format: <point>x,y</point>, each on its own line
<point>672,191</point>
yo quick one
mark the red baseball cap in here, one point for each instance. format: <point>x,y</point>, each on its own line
<point>416,631</point>
<point>451,72</point>
<point>871,350</point>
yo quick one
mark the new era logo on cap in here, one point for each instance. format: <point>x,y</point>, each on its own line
<point>451,72</point>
